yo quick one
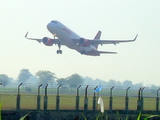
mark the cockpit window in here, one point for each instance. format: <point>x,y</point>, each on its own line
<point>53,21</point>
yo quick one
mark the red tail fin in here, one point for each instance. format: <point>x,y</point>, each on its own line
<point>97,37</point>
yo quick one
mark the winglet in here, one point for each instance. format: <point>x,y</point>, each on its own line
<point>135,37</point>
<point>26,35</point>
<point>38,40</point>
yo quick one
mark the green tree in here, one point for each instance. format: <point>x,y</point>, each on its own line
<point>45,77</point>
<point>4,79</point>
<point>61,81</point>
<point>24,75</point>
<point>112,83</point>
<point>127,83</point>
<point>74,81</point>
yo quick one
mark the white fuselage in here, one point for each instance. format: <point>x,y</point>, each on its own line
<point>66,36</point>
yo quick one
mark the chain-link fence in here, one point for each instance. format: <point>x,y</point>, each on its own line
<point>83,97</point>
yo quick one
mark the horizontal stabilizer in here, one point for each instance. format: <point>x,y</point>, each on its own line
<point>106,52</point>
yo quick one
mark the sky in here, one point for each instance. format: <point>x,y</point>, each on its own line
<point>137,61</point>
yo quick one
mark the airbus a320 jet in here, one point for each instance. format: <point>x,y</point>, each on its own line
<point>65,36</point>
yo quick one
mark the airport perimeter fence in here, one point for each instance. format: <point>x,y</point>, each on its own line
<point>80,98</point>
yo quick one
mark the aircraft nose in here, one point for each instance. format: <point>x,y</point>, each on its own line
<point>52,25</point>
<point>49,26</point>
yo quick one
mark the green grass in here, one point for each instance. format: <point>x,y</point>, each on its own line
<point>67,102</point>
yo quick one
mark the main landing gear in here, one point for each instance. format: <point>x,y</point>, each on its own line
<point>83,52</point>
<point>59,51</point>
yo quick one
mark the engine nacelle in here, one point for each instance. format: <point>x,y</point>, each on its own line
<point>48,41</point>
<point>83,42</point>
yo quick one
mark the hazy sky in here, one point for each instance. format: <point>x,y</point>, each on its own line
<point>138,61</point>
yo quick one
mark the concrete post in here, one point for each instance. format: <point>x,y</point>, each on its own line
<point>77,98</point>
<point>127,100</point>
<point>139,99</point>
<point>45,103</point>
<point>94,100</point>
<point>0,90</point>
<point>142,98</point>
<point>18,98</point>
<point>1,87</point>
<point>86,100</point>
<point>58,98</point>
<point>157,101</point>
<point>45,99</point>
<point>111,99</point>
<point>38,98</point>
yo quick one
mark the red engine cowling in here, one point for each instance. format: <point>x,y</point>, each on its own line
<point>48,41</point>
<point>83,42</point>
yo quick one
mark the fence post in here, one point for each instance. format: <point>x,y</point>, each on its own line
<point>57,98</point>
<point>45,99</point>
<point>77,98</point>
<point>139,99</point>
<point>18,98</point>
<point>1,86</point>
<point>111,99</point>
<point>38,98</point>
<point>0,92</point>
<point>127,99</point>
<point>45,103</point>
<point>94,100</point>
<point>86,100</point>
<point>142,98</point>
<point>157,101</point>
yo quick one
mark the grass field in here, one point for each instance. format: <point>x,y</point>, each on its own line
<point>68,102</point>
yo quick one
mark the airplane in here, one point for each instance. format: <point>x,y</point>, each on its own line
<point>65,36</point>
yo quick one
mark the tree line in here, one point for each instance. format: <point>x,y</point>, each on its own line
<point>44,77</point>
<point>73,81</point>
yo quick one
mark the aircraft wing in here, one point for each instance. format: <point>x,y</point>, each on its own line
<point>95,41</point>
<point>56,41</point>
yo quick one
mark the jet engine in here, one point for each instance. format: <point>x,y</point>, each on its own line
<point>47,41</point>
<point>83,42</point>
